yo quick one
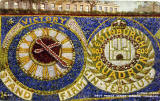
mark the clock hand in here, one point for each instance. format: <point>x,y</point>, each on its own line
<point>40,42</point>
<point>50,46</point>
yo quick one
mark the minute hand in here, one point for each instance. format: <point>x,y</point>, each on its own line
<point>50,46</point>
<point>40,42</point>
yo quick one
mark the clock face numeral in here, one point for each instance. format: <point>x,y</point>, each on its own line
<point>45,54</point>
<point>67,50</point>
<point>32,69</point>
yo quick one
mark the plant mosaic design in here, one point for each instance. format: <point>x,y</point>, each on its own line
<point>59,57</point>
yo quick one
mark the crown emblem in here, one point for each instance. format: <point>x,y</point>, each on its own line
<point>119,24</point>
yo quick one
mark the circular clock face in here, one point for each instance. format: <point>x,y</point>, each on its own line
<point>45,54</point>
<point>45,58</point>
